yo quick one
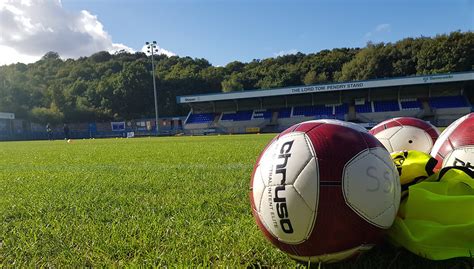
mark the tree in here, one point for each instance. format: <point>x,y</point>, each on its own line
<point>372,62</point>
<point>446,53</point>
<point>101,56</point>
<point>50,55</point>
<point>46,115</point>
<point>232,84</point>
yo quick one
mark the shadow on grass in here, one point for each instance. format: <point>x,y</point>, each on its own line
<point>388,257</point>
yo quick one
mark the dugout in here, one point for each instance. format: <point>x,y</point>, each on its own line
<point>439,98</point>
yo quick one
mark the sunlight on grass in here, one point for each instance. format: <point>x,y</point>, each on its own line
<point>140,202</point>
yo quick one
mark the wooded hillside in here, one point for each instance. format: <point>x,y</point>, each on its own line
<point>119,86</point>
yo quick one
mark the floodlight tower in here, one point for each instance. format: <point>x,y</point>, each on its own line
<point>153,48</point>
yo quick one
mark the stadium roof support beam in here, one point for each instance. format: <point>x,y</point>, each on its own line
<point>190,106</point>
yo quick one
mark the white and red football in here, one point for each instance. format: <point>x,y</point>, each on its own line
<point>406,133</point>
<point>324,191</point>
<point>455,145</point>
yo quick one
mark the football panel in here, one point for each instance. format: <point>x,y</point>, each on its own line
<point>264,151</point>
<point>335,145</point>
<point>458,134</point>
<point>392,123</point>
<point>432,131</point>
<point>388,133</point>
<point>264,154</point>
<point>419,123</point>
<point>462,156</point>
<point>266,162</point>
<point>286,159</point>
<point>411,138</point>
<point>289,130</point>
<point>442,152</point>
<point>308,126</point>
<point>337,227</point>
<point>307,184</point>
<point>445,135</point>
<point>384,125</point>
<point>347,124</point>
<point>386,143</point>
<point>370,187</point>
<point>285,214</point>
<point>371,141</point>
<point>257,188</point>
<point>463,134</point>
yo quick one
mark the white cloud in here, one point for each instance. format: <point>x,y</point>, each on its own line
<point>285,52</point>
<point>31,28</point>
<point>381,28</point>
<point>9,55</point>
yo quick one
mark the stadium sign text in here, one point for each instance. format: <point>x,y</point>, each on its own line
<point>320,88</point>
<point>191,99</point>
<point>431,78</point>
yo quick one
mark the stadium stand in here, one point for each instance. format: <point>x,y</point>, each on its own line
<point>438,98</point>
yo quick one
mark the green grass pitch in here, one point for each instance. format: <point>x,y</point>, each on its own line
<point>143,202</point>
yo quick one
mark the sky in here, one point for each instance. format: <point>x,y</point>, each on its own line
<point>220,31</point>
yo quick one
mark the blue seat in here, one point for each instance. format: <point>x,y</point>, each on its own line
<point>228,116</point>
<point>243,115</point>
<point>411,104</point>
<point>448,102</point>
<point>310,111</point>
<point>284,112</point>
<point>365,108</point>
<point>263,114</point>
<point>382,106</point>
<point>341,109</point>
<point>200,118</point>
<point>238,116</point>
